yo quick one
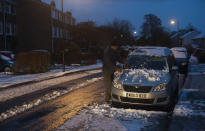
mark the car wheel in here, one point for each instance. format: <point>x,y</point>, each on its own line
<point>7,69</point>
<point>116,104</point>
<point>170,107</point>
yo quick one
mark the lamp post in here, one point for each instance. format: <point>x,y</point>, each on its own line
<point>63,55</point>
<point>175,22</point>
<point>4,24</point>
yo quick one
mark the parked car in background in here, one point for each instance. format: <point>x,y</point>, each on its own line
<point>198,56</point>
<point>181,58</point>
<point>8,54</point>
<point>149,77</point>
<point>6,63</point>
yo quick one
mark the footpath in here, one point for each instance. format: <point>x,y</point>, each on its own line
<point>12,86</point>
<point>189,113</point>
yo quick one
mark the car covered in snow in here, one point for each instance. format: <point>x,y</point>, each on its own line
<point>149,77</point>
<point>181,58</point>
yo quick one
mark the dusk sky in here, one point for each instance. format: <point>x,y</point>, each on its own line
<point>103,11</point>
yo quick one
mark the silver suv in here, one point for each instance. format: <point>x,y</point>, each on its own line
<point>149,77</point>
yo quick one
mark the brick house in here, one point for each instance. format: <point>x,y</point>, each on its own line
<point>33,25</point>
<point>8,27</point>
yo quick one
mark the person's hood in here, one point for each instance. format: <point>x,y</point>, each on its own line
<point>142,77</point>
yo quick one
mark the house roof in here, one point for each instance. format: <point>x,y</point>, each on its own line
<point>186,34</point>
<point>174,35</point>
<point>202,35</point>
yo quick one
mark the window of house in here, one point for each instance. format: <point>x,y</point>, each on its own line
<point>57,32</point>
<point>53,12</point>
<point>14,10</point>
<point>14,29</point>
<point>53,32</point>
<point>60,16</point>
<point>8,29</point>
<point>61,33</point>
<point>1,28</point>
<point>0,7</point>
<point>8,9</point>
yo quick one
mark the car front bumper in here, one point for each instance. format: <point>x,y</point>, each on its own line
<point>152,98</point>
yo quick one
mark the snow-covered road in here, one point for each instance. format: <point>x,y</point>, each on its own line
<point>189,112</point>
<point>25,89</point>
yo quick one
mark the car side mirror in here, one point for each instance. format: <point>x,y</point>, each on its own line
<point>175,68</point>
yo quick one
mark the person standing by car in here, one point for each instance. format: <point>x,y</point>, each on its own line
<point>109,66</point>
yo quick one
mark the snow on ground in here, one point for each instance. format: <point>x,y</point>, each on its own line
<point>106,118</point>
<point>11,79</point>
<point>196,69</point>
<point>191,103</point>
<point>18,109</point>
<point>26,89</point>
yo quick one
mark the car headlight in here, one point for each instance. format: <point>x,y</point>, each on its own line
<point>161,87</point>
<point>117,85</point>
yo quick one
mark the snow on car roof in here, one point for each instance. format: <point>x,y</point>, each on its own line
<point>178,54</point>
<point>3,57</point>
<point>178,49</point>
<point>151,51</point>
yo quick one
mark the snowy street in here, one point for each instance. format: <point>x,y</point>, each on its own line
<point>79,105</point>
<point>189,113</point>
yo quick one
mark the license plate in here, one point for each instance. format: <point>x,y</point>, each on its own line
<point>134,95</point>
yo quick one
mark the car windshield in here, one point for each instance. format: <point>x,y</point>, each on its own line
<point>146,62</point>
<point>179,60</point>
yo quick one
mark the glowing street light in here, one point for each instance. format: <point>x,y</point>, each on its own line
<point>172,22</point>
<point>135,32</point>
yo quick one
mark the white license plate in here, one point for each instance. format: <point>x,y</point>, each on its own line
<point>134,95</point>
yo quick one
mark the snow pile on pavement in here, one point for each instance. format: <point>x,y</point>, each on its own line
<point>188,108</point>
<point>18,109</point>
<point>188,105</point>
<point>196,69</point>
<point>104,117</point>
<point>8,80</point>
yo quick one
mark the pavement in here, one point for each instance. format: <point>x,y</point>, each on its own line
<point>11,80</point>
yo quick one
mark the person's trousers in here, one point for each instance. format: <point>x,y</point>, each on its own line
<point>108,86</point>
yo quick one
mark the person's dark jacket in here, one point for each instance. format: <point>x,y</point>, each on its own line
<point>109,60</point>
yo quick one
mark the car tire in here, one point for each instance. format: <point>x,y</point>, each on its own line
<point>7,69</point>
<point>116,104</point>
<point>170,107</point>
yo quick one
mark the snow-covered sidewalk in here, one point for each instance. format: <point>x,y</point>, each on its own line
<point>29,88</point>
<point>197,69</point>
<point>7,80</point>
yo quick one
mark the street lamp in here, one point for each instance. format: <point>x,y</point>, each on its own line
<point>175,22</point>
<point>63,69</point>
